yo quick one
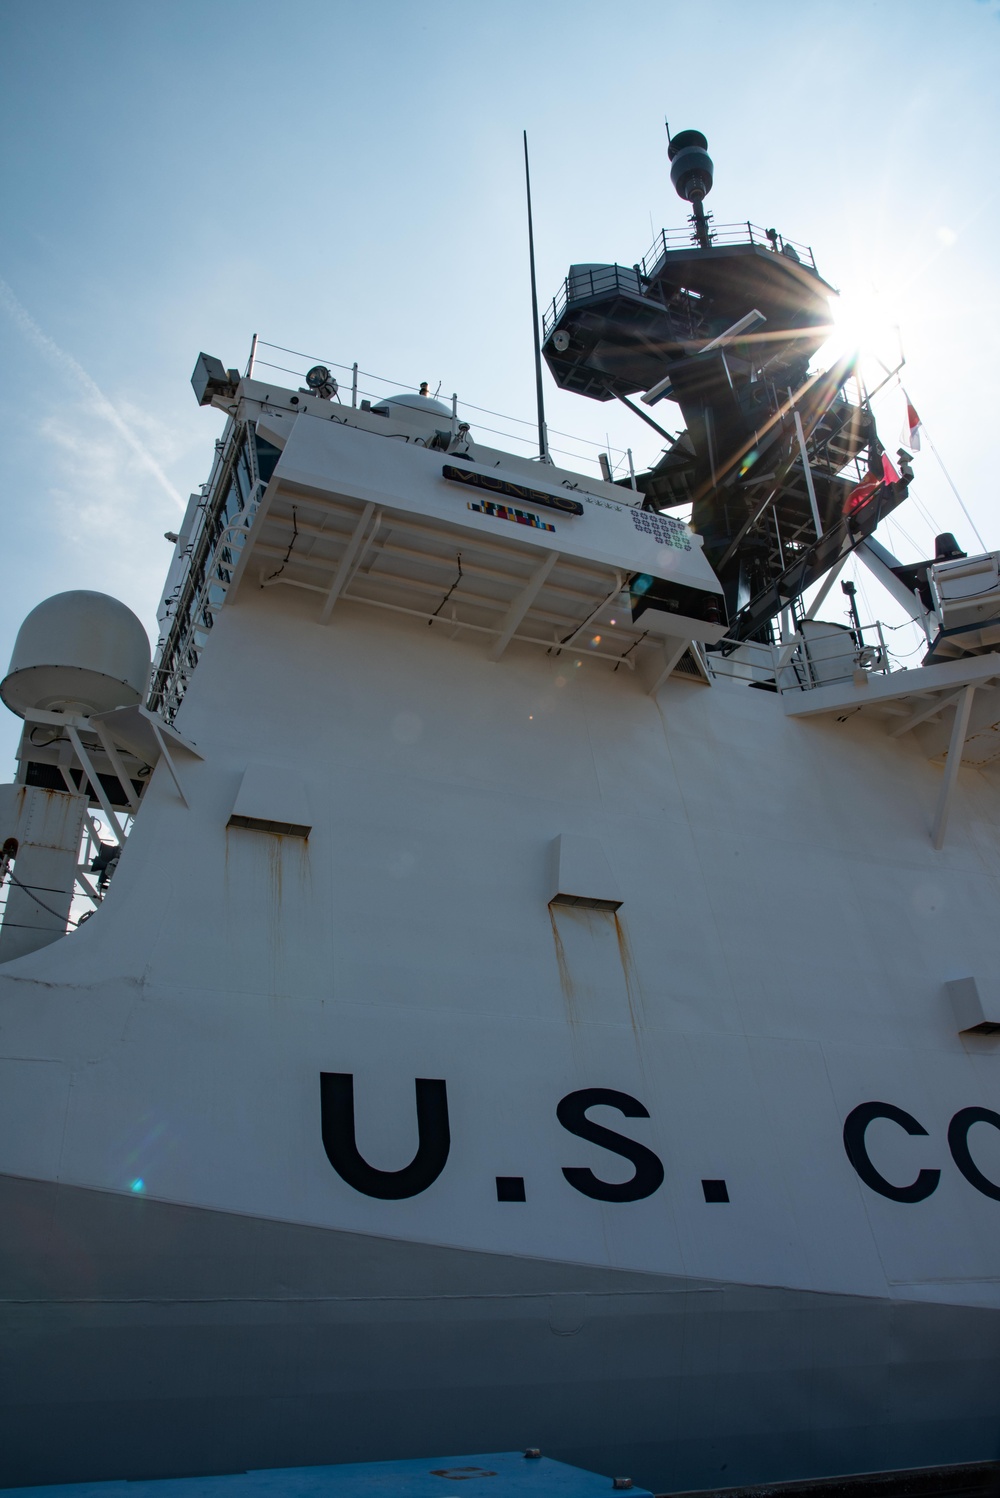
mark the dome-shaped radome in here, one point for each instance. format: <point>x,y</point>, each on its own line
<point>417,403</point>
<point>77,652</point>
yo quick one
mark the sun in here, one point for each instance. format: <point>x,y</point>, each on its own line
<point>864,321</point>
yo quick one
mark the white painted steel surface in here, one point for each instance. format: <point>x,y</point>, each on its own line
<point>780,957</point>
<point>46,827</point>
<point>330,455</point>
<point>419,905</point>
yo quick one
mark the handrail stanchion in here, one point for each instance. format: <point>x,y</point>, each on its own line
<point>354,384</point>
<point>882,648</point>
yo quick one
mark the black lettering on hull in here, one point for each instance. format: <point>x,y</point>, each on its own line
<point>855,1126</point>
<point>958,1143</point>
<point>340,1141</point>
<point>572,1114</point>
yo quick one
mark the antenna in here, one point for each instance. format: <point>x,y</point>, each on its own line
<point>543,440</point>
<point>691,173</point>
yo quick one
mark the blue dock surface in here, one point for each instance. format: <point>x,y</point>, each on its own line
<point>499,1474</point>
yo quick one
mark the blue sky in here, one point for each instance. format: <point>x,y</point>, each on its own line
<point>345,179</point>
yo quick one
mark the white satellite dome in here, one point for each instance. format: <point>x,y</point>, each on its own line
<point>77,652</point>
<point>417,403</point>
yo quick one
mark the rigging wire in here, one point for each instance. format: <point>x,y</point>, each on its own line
<point>904,655</point>
<point>923,511</point>
<point>951,482</point>
<point>954,491</point>
<point>366,374</point>
<point>32,896</point>
<point>904,533</point>
<point>494,431</point>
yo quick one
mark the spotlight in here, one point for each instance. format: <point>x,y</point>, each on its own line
<point>321,382</point>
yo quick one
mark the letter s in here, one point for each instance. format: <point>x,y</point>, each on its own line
<point>572,1114</point>
<point>855,1126</point>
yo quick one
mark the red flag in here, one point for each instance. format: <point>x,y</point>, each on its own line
<point>888,472</point>
<point>913,424</point>
<point>861,493</point>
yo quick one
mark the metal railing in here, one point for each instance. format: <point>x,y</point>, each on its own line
<point>359,383</point>
<point>586,281</point>
<point>821,655</point>
<point>633,280</point>
<point>725,235</point>
<point>593,281</point>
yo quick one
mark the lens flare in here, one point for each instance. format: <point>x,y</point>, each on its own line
<point>862,321</point>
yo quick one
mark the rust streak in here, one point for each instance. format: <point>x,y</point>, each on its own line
<point>274,865</point>
<point>628,970</point>
<point>565,977</point>
<point>275,850</point>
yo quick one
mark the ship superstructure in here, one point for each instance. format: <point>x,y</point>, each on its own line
<point>540,990</point>
<point>775,455</point>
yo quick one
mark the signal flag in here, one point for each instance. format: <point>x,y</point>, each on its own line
<point>913,424</point>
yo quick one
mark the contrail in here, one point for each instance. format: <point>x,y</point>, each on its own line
<point>24,320</point>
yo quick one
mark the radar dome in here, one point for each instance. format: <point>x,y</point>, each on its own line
<point>77,652</point>
<point>416,403</point>
<point>691,169</point>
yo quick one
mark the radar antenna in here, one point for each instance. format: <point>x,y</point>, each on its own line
<point>691,172</point>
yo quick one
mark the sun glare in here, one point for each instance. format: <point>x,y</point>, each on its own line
<point>863,321</point>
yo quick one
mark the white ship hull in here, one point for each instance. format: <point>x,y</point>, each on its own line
<point>779,958</point>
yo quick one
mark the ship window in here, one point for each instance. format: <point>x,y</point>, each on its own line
<point>222,510</point>
<point>234,502</point>
<point>267,457</point>
<point>242,484</point>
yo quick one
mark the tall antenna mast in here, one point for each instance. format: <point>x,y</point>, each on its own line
<point>543,439</point>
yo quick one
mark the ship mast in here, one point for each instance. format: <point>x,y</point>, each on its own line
<point>782,470</point>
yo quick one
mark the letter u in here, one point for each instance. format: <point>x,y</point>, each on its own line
<point>340,1140</point>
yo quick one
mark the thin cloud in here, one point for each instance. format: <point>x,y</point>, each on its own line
<point>92,492</point>
<point>22,318</point>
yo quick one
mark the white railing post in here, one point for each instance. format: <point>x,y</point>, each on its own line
<point>882,647</point>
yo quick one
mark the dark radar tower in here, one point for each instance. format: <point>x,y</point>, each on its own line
<point>783,469</point>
